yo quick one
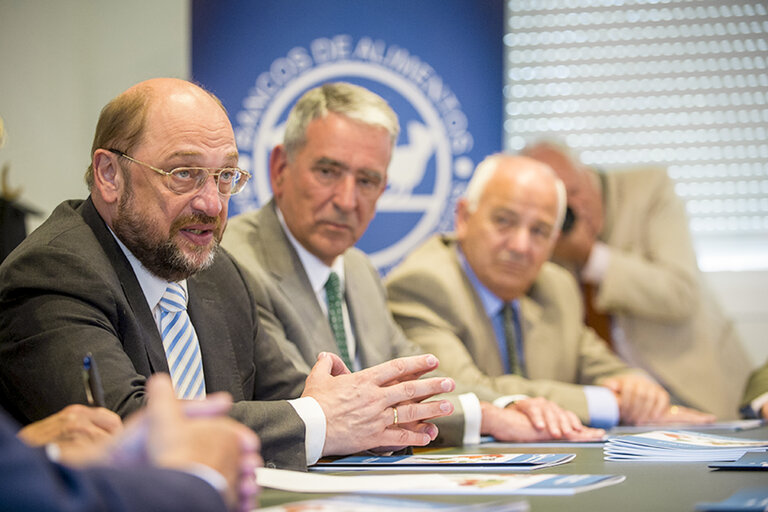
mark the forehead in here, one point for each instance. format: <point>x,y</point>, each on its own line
<point>527,193</point>
<point>188,124</point>
<point>352,143</point>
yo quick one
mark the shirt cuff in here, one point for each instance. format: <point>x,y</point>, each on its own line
<point>312,415</point>
<point>602,407</point>
<point>472,417</point>
<point>597,263</point>
<point>504,401</point>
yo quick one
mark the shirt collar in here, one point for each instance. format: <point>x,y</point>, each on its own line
<point>491,303</point>
<point>316,270</point>
<point>152,286</point>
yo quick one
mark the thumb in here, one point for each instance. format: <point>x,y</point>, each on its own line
<point>162,405</point>
<point>337,364</point>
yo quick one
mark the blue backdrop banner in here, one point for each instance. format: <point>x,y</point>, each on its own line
<point>437,62</point>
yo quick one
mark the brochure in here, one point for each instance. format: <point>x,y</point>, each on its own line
<point>435,483</point>
<point>750,499</point>
<point>437,462</point>
<point>668,445</point>
<point>750,460</point>
<point>385,504</point>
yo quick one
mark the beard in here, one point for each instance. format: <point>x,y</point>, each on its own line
<point>160,254</point>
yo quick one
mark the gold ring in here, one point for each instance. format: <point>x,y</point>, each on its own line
<point>394,409</point>
<point>674,409</point>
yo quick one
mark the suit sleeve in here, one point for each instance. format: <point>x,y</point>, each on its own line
<point>31,482</point>
<point>756,386</point>
<point>57,306</point>
<point>656,278</point>
<point>422,307</point>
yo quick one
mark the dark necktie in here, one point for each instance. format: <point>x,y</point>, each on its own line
<point>510,334</point>
<point>335,317</point>
<point>600,322</point>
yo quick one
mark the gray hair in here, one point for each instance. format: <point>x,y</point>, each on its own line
<point>350,100</point>
<point>487,168</point>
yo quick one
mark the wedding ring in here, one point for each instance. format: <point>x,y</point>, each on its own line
<point>674,410</point>
<point>394,409</point>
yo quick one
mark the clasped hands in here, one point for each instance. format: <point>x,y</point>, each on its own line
<point>361,407</point>
<point>643,401</point>
<point>168,433</point>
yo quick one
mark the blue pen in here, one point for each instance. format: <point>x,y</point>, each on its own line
<point>94,391</point>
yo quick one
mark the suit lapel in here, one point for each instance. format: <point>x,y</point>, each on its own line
<point>152,342</point>
<point>283,263</point>
<point>540,345</point>
<point>209,317</point>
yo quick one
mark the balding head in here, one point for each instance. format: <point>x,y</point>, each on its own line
<point>122,121</point>
<point>508,222</point>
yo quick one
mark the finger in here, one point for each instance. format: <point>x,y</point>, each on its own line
<point>215,404</point>
<point>552,420</point>
<point>575,422</point>
<point>162,405</point>
<point>414,390</point>
<point>339,367</point>
<point>107,420</point>
<point>417,412</point>
<point>402,368</point>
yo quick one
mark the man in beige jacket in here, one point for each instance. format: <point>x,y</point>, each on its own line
<point>631,242</point>
<point>495,312</point>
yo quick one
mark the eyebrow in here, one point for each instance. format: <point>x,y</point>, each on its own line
<point>234,155</point>
<point>341,165</point>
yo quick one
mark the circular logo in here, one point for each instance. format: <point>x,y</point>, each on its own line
<point>428,170</point>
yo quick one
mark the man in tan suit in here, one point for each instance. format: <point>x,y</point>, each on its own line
<point>755,401</point>
<point>630,241</point>
<point>327,177</point>
<point>496,313</point>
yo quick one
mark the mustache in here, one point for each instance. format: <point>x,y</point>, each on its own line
<point>195,218</point>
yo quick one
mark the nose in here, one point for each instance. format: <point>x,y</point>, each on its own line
<point>345,193</point>
<point>518,240</point>
<point>208,200</point>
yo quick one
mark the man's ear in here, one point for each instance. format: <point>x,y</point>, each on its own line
<point>460,221</point>
<point>107,175</point>
<point>278,165</point>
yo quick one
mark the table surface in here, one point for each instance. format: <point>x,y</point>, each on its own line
<point>649,486</point>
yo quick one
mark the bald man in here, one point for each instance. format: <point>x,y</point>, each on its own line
<point>488,303</point>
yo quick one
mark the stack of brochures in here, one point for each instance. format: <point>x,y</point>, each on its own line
<point>436,462</point>
<point>680,446</point>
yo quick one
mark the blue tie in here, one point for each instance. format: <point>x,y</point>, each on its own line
<point>182,349</point>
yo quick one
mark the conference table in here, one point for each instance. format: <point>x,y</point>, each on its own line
<point>649,486</point>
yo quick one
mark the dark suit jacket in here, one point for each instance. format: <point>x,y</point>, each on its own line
<point>68,289</point>
<point>289,312</point>
<point>31,482</point>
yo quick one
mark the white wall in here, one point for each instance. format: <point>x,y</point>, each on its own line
<point>61,62</point>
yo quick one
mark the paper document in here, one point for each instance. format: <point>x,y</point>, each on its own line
<point>385,504</point>
<point>434,483</point>
<point>668,445</point>
<point>750,460</point>
<point>437,462</point>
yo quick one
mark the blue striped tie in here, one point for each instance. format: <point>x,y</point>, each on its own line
<point>182,349</point>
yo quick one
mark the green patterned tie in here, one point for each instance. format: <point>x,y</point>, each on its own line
<point>508,315</point>
<point>333,296</point>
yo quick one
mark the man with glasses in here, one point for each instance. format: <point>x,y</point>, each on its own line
<point>316,292</point>
<point>133,275</point>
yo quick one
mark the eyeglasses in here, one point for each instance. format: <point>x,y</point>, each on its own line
<point>183,180</point>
